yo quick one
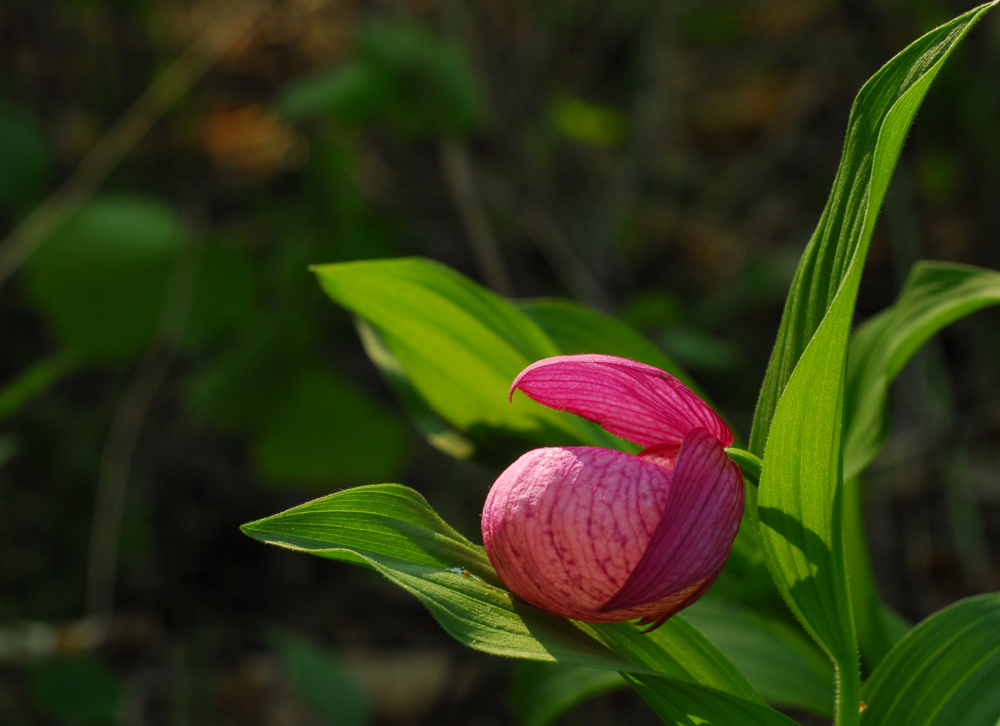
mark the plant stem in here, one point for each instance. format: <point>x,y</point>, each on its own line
<point>749,464</point>
<point>848,706</point>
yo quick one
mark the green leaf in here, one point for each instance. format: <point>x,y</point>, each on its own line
<point>77,690</point>
<point>685,703</point>
<point>223,295</point>
<point>785,667</point>
<point>101,278</point>
<point>845,227</point>
<point>801,507</point>
<point>542,692</point>
<point>392,529</point>
<point>945,672</point>
<point>24,159</point>
<point>34,381</point>
<point>461,347</point>
<point>323,682</point>
<point>935,295</point>
<point>325,431</point>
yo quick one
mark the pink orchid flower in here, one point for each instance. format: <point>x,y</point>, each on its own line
<point>603,536</point>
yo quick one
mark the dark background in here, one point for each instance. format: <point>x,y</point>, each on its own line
<point>662,162</point>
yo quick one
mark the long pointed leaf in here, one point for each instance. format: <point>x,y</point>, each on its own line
<point>801,488</point>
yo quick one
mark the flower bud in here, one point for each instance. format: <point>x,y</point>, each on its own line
<point>602,536</point>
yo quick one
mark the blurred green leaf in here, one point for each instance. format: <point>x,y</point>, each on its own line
<point>34,381</point>
<point>223,292</point>
<point>936,294</point>
<point>323,682</point>
<point>785,667</point>
<point>356,92</point>
<point>460,345</point>
<point>586,122</point>
<point>542,692</point>
<point>245,384</point>
<point>392,529</point>
<point>801,490</point>
<point>402,73</point>
<point>945,672</point>
<point>101,278</point>
<point>78,690</point>
<point>327,431</point>
<point>24,159</point>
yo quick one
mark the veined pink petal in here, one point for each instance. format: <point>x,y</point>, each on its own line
<point>696,530</point>
<point>565,527</point>
<point>632,400</point>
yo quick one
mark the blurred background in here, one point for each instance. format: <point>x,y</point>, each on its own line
<point>170,368</point>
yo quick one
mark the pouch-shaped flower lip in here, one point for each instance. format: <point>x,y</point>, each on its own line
<point>603,536</point>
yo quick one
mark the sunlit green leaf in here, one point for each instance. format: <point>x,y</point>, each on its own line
<point>945,672</point>
<point>461,347</point>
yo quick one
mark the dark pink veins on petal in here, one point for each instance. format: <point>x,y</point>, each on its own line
<point>633,400</point>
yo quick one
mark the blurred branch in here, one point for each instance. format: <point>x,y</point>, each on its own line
<point>116,462</point>
<point>128,131</point>
<point>459,174</point>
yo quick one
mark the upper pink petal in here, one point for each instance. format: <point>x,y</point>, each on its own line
<point>697,528</point>
<point>632,400</point>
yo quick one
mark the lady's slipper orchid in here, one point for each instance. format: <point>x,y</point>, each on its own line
<point>603,536</point>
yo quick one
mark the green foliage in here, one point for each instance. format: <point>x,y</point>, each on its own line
<point>24,159</point>
<point>785,667</point>
<point>542,692</point>
<point>323,682</point>
<point>935,295</point>
<point>945,672</point>
<point>422,85</point>
<point>78,690</point>
<point>460,345</point>
<point>392,529</point>
<point>101,279</point>
<point>325,430</point>
<point>224,292</point>
<point>34,381</point>
<point>586,122</point>
<point>800,411</point>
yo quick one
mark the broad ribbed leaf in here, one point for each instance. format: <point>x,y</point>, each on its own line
<point>801,493</point>
<point>945,672</point>
<point>459,344</point>
<point>392,529</point>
